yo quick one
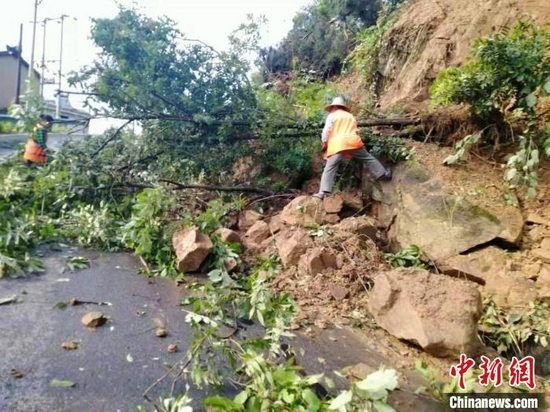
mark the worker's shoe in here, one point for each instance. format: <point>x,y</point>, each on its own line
<point>319,195</point>
<point>386,177</point>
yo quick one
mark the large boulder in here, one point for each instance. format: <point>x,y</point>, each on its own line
<point>437,312</point>
<point>304,211</point>
<point>291,245</point>
<point>192,247</point>
<point>419,211</point>
<point>477,266</point>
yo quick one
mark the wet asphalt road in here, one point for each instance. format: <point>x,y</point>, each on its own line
<point>32,331</point>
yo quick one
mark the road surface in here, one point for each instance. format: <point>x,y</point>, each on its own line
<point>115,363</point>
<point>10,143</point>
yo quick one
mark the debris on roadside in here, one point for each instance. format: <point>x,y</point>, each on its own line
<point>94,319</point>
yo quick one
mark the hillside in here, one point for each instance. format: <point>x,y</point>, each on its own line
<point>429,36</point>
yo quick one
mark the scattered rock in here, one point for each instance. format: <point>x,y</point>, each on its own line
<point>245,170</point>
<point>230,264</point>
<point>338,292</point>
<point>543,294</point>
<point>537,219</point>
<point>248,218</point>
<point>360,371</point>
<point>228,235</point>
<point>303,211</point>
<point>531,270</point>
<point>17,374</point>
<point>258,232</point>
<point>332,218</point>
<point>172,348</point>
<point>70,345</point>
<point>276,224</point>
<point>543,279</point>
<point>353,201</point>
<point>545,244</point>
<point>94,319</point>
<point>311,262</point>
<point>330,260</point>
<point>192,247</point>
<point>161,333</point>
<point>511,222</point>
<point>542,254</point>
<point>361,225</point>
<point>510,290</point>
<point>476,266</point>
<point>291,245</point>
<point>333,204</point>
<point>437,312</point>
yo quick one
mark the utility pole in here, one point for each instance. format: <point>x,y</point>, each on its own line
<point>19,52</point>
<point>43,65</point>
<point>31,64</point>
<point>58,105</point>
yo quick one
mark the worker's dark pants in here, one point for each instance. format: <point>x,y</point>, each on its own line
<point>376,169</point>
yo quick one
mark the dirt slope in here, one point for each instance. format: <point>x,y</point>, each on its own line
<point>430,35</point>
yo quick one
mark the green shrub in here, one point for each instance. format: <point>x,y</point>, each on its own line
<point>507,82</point>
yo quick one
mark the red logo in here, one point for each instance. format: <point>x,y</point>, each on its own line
<point>491,371</point>
<point>462,369</point>
<point>523,371</point>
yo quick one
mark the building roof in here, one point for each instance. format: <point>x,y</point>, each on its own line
<point>6,53</point>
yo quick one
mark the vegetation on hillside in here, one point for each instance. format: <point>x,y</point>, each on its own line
<point>507,82</point>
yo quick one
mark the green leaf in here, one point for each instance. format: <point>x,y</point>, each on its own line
<point>215,276</point>
<point>547,87</point>
<point>382,407</point>
<point>241,398</point>
<point>223,403</point>
<point>531,100</point>
<point>341,400</point>
<point>285,377</point>
<point>56,383</point>
<point>511,174</point>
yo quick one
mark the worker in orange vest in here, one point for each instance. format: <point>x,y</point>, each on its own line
<point>36,149</point>
<point>341,140</point>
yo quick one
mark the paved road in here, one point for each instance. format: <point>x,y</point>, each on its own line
<point>10,143</point>
<point>32,332</point>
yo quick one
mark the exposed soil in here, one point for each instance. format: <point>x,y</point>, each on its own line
<point>429,36</point>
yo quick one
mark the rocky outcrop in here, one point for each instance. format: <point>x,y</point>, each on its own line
<point>437,312</point>
<point>510,290</point>
<point>477,266</point>
<point>419,211</point>
<point>304,211</point>
<point>192,248</point>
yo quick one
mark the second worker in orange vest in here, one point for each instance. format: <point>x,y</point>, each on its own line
<point>341,139</point>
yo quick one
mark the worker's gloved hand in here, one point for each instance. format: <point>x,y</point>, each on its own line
<point>325,146</point>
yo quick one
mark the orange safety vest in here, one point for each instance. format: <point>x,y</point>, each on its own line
<point>33,151</point>
<point>343,135</point>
